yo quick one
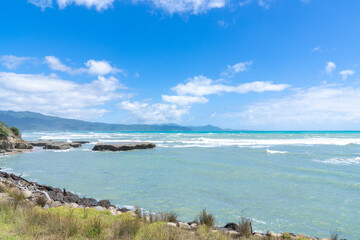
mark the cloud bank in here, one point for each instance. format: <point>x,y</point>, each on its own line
<point>48,94</point>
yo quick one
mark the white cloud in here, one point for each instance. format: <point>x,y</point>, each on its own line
<point>98,4</point>
<point>154,113</point>
<point>244,3</point>
<point>236,68</point>
<point>317,49</point>
<point>55,64</point>
<point>12,62</point>
<point>100,67</point>
<point>346,73</point>
<point>187,6</point>
<point>201,86</point>
<point>51,95</point>
<point>313,108</point>
<point>184,100</point>
<point>92,67</point>
<point>330,67</point>
<point>43,4</point>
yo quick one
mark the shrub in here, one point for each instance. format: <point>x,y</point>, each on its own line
<point>286,235</point>
<point>15,130</point>
<point>205,218</point>
<point>245,227</point>
<point>41,201</point>
<point>3,132</point>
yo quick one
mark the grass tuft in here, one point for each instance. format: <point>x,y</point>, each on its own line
<point>245,227</point>
<point>334,236</point>
<point>168,217</point>
<point>205,218</point>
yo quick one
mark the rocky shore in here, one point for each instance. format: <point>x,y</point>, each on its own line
<point>55,197</point>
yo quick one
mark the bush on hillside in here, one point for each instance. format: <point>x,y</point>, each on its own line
<point>15,130</point>
<point>3,132</point>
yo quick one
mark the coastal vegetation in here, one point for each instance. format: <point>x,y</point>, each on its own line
<point>3,130</point>
<point>32,215</point>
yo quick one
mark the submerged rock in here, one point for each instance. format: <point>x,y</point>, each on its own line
<point>126,146</point>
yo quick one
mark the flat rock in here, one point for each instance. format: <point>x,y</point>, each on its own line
<point>125,146</point>
<point>81,142</point>
<point>55,144</point>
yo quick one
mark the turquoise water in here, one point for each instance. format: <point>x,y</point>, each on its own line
<point>300,182</point>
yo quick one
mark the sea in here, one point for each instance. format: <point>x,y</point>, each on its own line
<point>298,182</point>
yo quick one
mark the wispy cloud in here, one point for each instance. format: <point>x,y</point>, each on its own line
<point>187,6</point>
<point>184,100</point>
<point>236,68</point>
<point>330,67</point>
<point>12,62</point>
<point>94,67</point>
<point>202,86</point>
<point>320,107</point>
<point>99,5</point>
<point>52,95</point>
<point>346,73</point>
<point>43,4</point>
<point>317,49</point>
<point>154,113</point>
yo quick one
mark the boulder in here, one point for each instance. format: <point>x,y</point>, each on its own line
<point>104,203</point>
<point>126,146</point>
<point>171,224</point>
<point>184,225</point>
<point>232,226</point>
<point>89,202</point>
<point>75,145</point>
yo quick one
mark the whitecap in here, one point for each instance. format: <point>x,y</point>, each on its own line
<point>341,161</point>
<point>275,152</point>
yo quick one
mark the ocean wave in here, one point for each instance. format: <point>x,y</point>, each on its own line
<point>275,152</point>
<point>341,161</point>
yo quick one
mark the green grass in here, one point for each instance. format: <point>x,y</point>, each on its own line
<point>20,219</point>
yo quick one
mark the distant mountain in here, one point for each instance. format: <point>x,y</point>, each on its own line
<point>30,121</point>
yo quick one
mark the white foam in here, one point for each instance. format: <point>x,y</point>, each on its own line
<point>341,161</point>
<point>275,152</point>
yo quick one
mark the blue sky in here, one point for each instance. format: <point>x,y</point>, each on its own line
<point>250,64</point>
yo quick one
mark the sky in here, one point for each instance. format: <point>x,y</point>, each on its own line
<point>248,64</point>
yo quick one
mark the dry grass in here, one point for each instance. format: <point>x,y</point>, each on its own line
<point>205,218</point>
<point>41,201</point>
<point>245,227</point>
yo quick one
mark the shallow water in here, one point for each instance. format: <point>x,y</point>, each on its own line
<point>300,182</point>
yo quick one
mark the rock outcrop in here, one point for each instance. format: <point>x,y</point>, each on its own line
<point>126,146</point>
<point>11,141</point>
<point>55,144</point>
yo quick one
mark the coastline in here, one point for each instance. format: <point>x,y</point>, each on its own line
<point>55,197</point>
